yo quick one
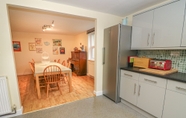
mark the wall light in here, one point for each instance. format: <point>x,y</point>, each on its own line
<point>48,27</point>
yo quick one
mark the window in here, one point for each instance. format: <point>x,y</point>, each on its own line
<point>91,46</point>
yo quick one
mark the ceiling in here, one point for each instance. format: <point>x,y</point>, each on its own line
<point>116,7</point>
<point>32,20</point>
<point>29,20</point>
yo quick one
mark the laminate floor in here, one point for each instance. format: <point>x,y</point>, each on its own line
<point>83,87</point>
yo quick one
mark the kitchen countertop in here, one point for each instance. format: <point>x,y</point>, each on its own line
<point>181,77</point>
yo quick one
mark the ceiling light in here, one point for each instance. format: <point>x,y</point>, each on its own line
<point>48,27</point>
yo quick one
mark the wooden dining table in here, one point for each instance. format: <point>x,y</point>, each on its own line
<point>39,68</point>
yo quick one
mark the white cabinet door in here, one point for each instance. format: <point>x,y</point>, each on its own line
<point>168,24</point>
<point>128,89</point>
<point>150,99</point>
<point>175,105</point>
<point>141,30</point>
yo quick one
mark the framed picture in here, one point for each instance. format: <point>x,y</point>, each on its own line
<point>55,50</point>
<point>16,46</point>
<point>32,46</point>
<point>57,42</point>
<point>39,50</point>
<point>62,50</point>
<point>38,42</point>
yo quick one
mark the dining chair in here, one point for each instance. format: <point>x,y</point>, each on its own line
<point>41,78</point>
<point>63,63</point>
<point>52,75</point>
<point>58,61</point>
<point>33,60</point>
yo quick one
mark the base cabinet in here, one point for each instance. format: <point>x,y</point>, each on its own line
<point>175,100</point>
<point>145,92</point>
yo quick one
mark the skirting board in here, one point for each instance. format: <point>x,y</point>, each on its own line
<point>18,112</point>
<point>137,109</point>
<point>98,93</point>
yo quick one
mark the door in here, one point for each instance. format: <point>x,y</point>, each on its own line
<point>141,30</point>
<point>110,61</point>
<point>150,98</point>
<point>168,24</point>
<point>174,105</point>
<point>128,89</point>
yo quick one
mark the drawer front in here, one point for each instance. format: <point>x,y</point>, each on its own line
<point>156,81</point>
<point>129,74</point>
<point>176,86</point>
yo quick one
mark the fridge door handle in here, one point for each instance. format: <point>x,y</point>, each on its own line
<point>104,55</point>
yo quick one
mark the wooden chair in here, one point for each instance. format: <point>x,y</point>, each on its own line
<point>41,78</point>
<point>53,76</point>
<point>58,61</point>
<point>33,61</point>
<point>63,63</point>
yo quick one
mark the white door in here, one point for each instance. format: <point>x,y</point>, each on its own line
<point>150,99</point>
<point>167,25</point>
<point>128,89</point>
<point>175,105</point>
<point>141,30</point>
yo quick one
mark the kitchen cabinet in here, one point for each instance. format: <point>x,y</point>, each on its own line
<point>175,104</point>
<point>143,91</point>
<point>159,28</point>
<point>151,92</point>
<point>129,82</point>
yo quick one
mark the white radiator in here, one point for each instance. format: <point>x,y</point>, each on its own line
<point>5,106</point>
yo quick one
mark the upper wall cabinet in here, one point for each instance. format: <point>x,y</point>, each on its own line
<point>159,28</point>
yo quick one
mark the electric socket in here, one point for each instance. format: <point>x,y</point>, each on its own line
<point>175,53</point>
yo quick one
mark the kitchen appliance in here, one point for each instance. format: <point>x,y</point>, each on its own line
<point>160,64</point>
<point>117,45</point>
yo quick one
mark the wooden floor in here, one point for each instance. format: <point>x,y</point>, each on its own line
<point>83,87</point>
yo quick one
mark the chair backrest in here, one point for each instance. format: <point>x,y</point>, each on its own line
<point>52,73</point>
<point>58,61</point>
<point>63,63</point>
<point>32,67</point>
<point>33,60</point>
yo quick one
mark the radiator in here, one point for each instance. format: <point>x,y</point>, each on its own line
<point>5,106</point>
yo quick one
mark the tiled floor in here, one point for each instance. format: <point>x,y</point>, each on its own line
<point>83,87</point>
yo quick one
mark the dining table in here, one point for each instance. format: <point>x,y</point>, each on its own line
<point>39,68</point>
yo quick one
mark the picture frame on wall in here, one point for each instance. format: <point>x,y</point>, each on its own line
<point>32,46</point>
<point>62,50</point>
<point>57,42</point>
<point>38,42</point>
<point>39,50</point>
<point>16,46</point>
<point>55,50</point>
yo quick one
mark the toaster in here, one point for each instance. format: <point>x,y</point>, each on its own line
<point>160,64</point>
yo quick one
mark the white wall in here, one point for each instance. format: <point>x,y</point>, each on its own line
<point>7,63</point>
<point>24,56</point>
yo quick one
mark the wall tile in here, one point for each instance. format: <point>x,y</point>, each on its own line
<point>178,62</point>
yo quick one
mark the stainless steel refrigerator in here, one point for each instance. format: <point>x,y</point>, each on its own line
<point>117,43</point>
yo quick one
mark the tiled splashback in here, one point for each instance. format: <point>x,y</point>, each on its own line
<point>178,62</point>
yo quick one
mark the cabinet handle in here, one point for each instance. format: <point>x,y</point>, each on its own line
<point>153,39</point>
<point>127,75</point>
<point>135,88</point>
<point>104,55</point>
<point>148,39</point>
<point>180,88</point>
<point>150,80</point>
<point>139,90</point>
